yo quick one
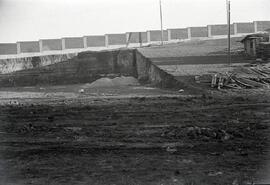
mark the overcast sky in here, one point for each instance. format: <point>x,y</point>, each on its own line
<point>22,20</point>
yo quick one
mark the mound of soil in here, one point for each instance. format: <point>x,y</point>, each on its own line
<point>117,81</point>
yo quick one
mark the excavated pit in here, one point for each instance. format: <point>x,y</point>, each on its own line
<point>85,67</point>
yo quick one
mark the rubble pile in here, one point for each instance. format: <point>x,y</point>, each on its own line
<point>112,82</point>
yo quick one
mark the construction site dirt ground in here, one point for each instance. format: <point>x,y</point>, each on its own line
<point>137,135</point>
<point>106,136</point>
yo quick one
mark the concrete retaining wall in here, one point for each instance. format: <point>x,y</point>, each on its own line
<point>8,49</point>
<point>95,41</point>
<point>155,35</point>
<point>29,47</point>
<point>178,33</point>
<point>117,39</point>
<point>73,42</point>
<point>198,32</point>
<point>51,44</point>
<point>244,27</point>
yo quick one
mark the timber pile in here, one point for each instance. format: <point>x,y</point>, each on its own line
<point>257,76</point>
<point>247,77</point>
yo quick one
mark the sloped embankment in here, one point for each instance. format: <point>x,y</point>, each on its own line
<point>87,67</point>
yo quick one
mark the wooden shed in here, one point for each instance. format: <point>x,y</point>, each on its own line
<point>252,41</point>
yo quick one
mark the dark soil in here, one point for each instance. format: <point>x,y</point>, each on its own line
<point>135,141</point>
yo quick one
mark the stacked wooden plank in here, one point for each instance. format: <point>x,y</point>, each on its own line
<point>243,77</point>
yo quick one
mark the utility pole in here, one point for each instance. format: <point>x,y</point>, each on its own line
<point>161,21</point>
<point>229,30</point>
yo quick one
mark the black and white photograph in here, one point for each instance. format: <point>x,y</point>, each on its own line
<point>134,92</point>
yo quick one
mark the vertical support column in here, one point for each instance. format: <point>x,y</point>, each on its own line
<point>148,36</point>
<point>189,33</point>
<point>63,43</point>
<point>235,28</point>
<point>255,26</point>
<point>18,47</point>
<point>84,42</point>
<point>169,35</point>
<point>209,30</point>
<point>40,46</point>
<point>107,40</point>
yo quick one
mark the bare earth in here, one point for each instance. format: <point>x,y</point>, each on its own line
<point>111,138</point>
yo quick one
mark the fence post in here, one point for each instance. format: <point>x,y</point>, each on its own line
<point>189,33</point>
<point>209,30</point>
<point>84,42</point>
<point>107,40</point>
<point>127,37</point>
<point>169,35</point>
<point>255,26</point>
<point>63,43</point>
<point>235,28</point>
<point>18,47</point>
<point>148,34</point>
<point>40,46</point>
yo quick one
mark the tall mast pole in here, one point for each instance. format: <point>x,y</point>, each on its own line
<point>161,22</point>
<point>229,30</point>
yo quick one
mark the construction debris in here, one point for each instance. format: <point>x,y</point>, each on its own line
<point>253,76</point>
